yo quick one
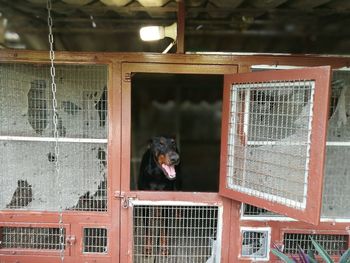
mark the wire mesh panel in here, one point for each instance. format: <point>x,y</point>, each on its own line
<point>336,193</point>
<point>27,156</point>
<point>269,140</point>
<point>255,243</point>
<point>95,240</point>
<point>335,245</point>
<point>37,188</point>
<point>254,211</point>
<point>175,233</point>
<point>30,238</point>
<point>26,106</point>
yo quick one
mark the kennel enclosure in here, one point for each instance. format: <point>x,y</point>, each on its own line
<point>104,218</point>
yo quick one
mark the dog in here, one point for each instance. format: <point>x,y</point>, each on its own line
<point>159,171</point>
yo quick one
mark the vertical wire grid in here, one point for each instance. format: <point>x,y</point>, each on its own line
<point>269,140</point>
<point>174,233</point>
<point>334,245</point>
<point>31,238</point>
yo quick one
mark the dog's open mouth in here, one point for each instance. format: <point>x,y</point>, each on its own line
<point>169,171</point>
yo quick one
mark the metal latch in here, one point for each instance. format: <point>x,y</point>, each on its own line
<point>124,198</point>
<point>71,239</point>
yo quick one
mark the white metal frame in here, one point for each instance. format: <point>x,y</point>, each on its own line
<point>268,245</point>
<point>51,139</point>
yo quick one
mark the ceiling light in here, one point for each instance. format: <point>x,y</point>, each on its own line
<point>153,33</point>
<point>11,36</point>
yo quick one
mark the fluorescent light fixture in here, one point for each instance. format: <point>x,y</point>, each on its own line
<point>153,33</point>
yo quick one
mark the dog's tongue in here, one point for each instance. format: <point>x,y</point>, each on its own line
<point>170,169</point>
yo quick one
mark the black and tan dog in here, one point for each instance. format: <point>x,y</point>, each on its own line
<point>159,171</point>
<point>159,168</point>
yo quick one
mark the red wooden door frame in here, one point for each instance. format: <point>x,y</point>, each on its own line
<point>128,69</point>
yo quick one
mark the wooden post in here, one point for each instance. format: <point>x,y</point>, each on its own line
<point>180,47</point>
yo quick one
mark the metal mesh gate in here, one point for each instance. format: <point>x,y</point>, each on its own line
<point>95,240</point>
<point>43,238</point>
<point>172,233</point>
<point>28,181</point>
<point>269,140</point>
<point>336,193</point>
<point>334,244</point>
<point>27,178</point>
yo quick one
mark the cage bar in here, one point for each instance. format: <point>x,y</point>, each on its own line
<point>30,238</point>
<point>269,140</point>
<point>334,245</point>
<point>336,194</point>
<point>95,240</point>
<point>172,233</point>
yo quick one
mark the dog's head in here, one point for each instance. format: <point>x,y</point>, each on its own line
<point>164,151</point>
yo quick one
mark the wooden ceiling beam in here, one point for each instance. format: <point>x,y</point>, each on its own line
<point>189,32</point>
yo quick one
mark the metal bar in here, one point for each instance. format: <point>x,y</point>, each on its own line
<point>276,198</point>
<point>338,144</point>
<point>307,163</point>
<point>51,139</point>
<point>261,143</point>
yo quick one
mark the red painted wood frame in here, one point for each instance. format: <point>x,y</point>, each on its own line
<point>75,221</point>
<point>128,69</point>
<point>321,76</point>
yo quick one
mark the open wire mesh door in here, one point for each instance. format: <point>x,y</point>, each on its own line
<point>273,142</point>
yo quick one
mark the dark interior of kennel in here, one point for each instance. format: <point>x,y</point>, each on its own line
<point>185,106</point>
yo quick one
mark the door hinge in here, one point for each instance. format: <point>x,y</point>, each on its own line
<point>124,198</point>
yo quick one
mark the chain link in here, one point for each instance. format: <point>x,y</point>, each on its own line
<point>56,134</point>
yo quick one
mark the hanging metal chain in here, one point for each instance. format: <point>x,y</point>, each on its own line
<point>56,134</point>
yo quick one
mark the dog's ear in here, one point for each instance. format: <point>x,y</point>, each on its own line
<point>149,144</point>
<point>152,141</point>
